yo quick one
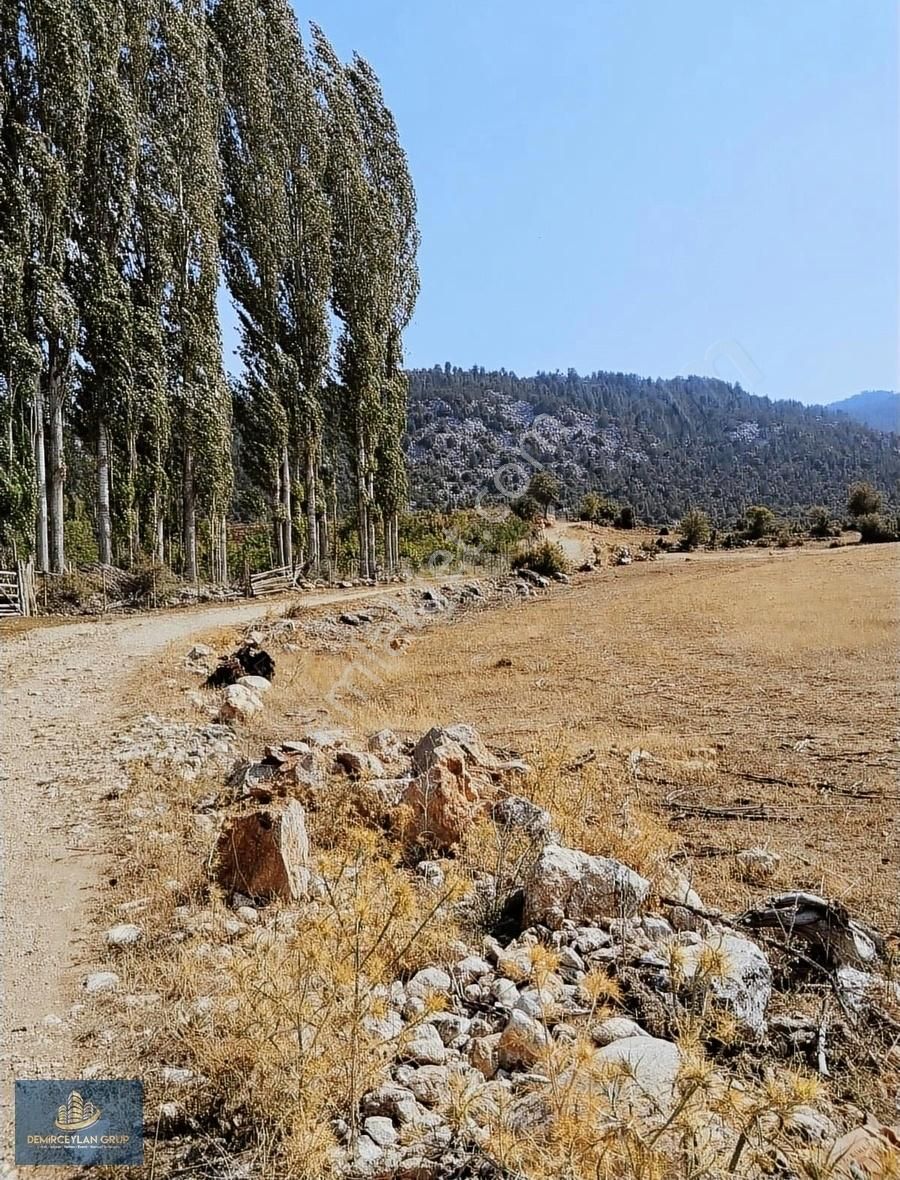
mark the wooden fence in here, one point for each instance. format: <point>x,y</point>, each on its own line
<point>17,591</point>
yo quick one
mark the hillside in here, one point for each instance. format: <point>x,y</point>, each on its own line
<point>661,445</point>
<point>878,408</point>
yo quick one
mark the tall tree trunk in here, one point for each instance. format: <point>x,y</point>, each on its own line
<point>42,536</point>
<point>324,556</point>
<point>287,521</point>
<point>370,498</point>
<point>388,550</point>
<point>57,473</point>
<point>159,534</point>
<point>224,559</point>
<point>362,510</point>
<point>312,526</point>
<point>104,518</point>
<point>395,539</point>
<point>189,516</point>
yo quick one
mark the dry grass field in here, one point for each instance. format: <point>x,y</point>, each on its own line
<point>685,708</point>
<point>763,685</point>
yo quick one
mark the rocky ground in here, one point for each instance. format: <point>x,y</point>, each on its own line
<point>332,952</point>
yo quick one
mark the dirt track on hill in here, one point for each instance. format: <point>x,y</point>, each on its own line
<point>61,702</point>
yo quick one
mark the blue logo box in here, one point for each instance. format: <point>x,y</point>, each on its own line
<point>83,1122</point>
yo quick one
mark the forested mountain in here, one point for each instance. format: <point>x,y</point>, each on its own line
<point>878,408</point>
<point>151,150</point>
<point>660,445</point>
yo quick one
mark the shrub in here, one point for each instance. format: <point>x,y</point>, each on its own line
<point>760,522</point>
<point>875,529</point>
<point>625,519</point>
<point>694,529</point>
<point>863,499</point>
<point>819,521</point>
<point>526,507</point>
<point>544,487</point>
<point>547,559</point>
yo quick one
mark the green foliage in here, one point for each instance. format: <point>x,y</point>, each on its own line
<point>760,522</point>
<point>875,528</point>
<point>694,529</point>
<point>662,445</point>
<point>819,520</point>
<point>625,517</point>
<point>81,544</point>
<point>527,508</point>
<point>547,558</point>
<point>863,499</point>
<point>147,150</point>
<point>544,487</point>
<point>596,509</point>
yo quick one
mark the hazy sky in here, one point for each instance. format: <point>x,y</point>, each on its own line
<point>662,187</point>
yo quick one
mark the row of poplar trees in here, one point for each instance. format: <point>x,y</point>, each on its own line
<point>152,151</point>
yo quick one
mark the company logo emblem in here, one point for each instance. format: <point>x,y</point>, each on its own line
<point>76,1114</point>
<point>79,1123</point>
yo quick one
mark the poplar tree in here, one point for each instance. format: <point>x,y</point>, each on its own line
<point>20,358</point>
<point>276,242</point>
<point>398,282</point>
<point>358,261</point>
<point>189,98</point>
<point>53,52</point>
<point>103,232</point>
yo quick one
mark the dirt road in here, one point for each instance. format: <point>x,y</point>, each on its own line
<point>61,700</point>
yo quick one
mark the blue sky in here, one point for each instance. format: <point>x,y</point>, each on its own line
<point>663,187</point>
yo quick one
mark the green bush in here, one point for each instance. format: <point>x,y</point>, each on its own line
<point>547,559</point>
<point>693,528</point>
<point>875,529</point>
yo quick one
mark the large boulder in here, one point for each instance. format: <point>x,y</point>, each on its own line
<point>427,750</point>
<point>239,703</point>
<point>735,973</point>
<point>265,853</point>
<point>444,799</point>
<point>568,883</point>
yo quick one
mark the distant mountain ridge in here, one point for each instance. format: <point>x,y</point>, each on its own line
<point>878,408</point>
<point>662,445</point>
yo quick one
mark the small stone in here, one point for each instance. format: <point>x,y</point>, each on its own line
<point>505,993</point>
<point>265,853</point>
<point>124,934</point>
<point>522,1041</point>
<point>431,980</point>
<point>471,968</point>
<point>386,745</point>
<point>359,764</point>
<point>757,866</point>
<point>257,684</point>
<point>424,1047</point>
<point>616,1028</point>
<point>175,1076</point>
<point>429,1083</point>
<point>101,981</point>
<point>811,1125</point>
<point>380,1130</point>
<point>200,651</point>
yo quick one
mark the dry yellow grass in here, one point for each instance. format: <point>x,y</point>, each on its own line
<point>739,679</point>
<point>753,679</point>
